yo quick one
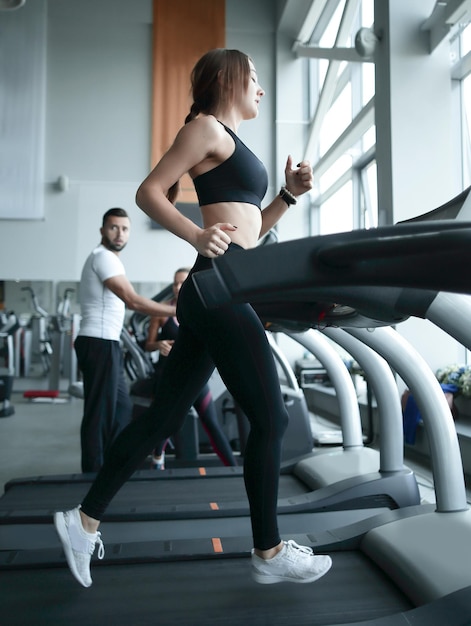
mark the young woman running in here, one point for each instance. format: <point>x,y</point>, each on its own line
<point>230,182</point>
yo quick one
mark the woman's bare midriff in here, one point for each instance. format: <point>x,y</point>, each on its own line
<point>247,218</point>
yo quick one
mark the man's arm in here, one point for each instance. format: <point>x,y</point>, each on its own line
<point>122,288</point>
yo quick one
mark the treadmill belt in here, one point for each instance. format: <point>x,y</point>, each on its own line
<point>135,494</point>
<point>215,592</point>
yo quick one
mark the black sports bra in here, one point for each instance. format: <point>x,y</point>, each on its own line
<point>240,178</point>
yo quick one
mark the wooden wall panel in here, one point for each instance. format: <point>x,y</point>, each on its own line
<point>183,30</point>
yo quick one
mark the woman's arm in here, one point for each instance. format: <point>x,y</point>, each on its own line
<point>298,182</point>
<point>152,344</point>
<point>194,143</point>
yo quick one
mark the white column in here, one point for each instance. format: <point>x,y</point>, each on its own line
<point>416,155</point>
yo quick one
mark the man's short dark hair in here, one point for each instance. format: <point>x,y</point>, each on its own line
<point>115,212</point>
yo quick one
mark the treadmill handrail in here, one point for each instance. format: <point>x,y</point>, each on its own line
<point>349,410</point>
<point>451,312</point>
<point>445,452</point>
<point>347,254</point>
<point>283,362</point>
<point>384,386</point>
<point>292,266</point>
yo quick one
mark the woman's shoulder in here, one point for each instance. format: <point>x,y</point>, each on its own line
<point>205,126</point>
<point>204,133</point>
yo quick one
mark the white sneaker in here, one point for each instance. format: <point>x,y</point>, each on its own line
<point>78,544</point>
<point>158,463</point>
<point>293,563</point>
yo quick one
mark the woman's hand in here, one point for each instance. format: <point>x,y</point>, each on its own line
<point>299,180</point>
<point>214,241</point>
<point>164,346</point>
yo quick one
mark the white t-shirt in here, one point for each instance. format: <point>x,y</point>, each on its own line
<point>102,311</point>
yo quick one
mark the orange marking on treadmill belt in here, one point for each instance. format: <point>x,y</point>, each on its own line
<point>214,506</point>
<point>217,545</point>
<point>202,471</point>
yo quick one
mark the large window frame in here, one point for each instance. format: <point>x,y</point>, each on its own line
<point>336,90</point>
<point>461,76</point>
<point>333,63</point>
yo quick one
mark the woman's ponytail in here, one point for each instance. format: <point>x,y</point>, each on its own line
<point>195,110</point>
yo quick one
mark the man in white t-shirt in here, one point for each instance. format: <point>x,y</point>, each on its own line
<point>105,292</point>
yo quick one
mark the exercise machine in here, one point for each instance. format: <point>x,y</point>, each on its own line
<point>8,326</point>
<point>57,355</point>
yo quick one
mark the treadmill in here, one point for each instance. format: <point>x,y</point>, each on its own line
<point>171,576</point>
<point>374,557</point>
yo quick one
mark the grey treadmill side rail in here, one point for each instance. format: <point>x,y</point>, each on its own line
<point>350,418</point>
<point>384,386</point>
<point>444,447</point>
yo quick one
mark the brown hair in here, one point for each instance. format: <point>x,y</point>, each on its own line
<point>215,79</point>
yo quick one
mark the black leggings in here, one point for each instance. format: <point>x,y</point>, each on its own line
<point>206,409</point>
<point>232,338</point>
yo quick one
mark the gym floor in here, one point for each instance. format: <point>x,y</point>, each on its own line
<point>40,437</point>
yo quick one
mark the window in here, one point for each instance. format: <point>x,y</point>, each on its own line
<point>335,213</point>
<point>369,196</point>
<point>466,133</point>
<point>461,73</point>
<point>341,91</point>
